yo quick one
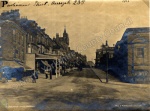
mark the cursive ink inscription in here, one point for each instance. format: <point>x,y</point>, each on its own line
<point>44,3</point>
<point>16,4</point>
<point>78,2</point>
<point>75,2</point>
<point>61,3</point>
<point>37,3</point>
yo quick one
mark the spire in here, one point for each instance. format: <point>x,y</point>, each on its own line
<point>65,36</point>
<point>65,29</point>
<point>106,43</point>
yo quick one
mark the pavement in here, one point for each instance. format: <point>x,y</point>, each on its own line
<point>76,90</point>
<point>102,75</point>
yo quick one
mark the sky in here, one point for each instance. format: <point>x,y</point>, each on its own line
<point>90,24</point>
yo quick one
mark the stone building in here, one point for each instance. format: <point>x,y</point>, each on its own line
<point>23,42</point>
<point>37,40</point>
<point>62,42</point>
<point>129,59</point>
<point>13,43</point>
<point>26,44</point>
<point>138,55</point>
<point>103,54</point>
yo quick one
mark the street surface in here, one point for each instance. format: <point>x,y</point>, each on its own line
<point>77,90</point>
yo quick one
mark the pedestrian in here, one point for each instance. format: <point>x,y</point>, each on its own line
<point>64,68</point>
<point>36,74</point>
<point>33,78</point>
<point>50,72</point>
<point>46,75</point>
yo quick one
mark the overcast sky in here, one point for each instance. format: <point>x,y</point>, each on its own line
<point>86,23</point>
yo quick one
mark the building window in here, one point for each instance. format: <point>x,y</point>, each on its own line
<point>14,32</point>
<point>17,37</point>
<point>14,35</point>
<point>31,38</point>
<point>22,40</point>
<point>140,52</point>
<point>16,51</point>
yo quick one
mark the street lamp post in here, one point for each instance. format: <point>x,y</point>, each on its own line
<point>107,64</point>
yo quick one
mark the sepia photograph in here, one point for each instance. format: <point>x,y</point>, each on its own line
<point>74,55</point>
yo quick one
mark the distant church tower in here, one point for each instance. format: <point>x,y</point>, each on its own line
<point>65,36</point>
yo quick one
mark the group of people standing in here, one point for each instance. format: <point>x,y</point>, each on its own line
<point>49,71</point>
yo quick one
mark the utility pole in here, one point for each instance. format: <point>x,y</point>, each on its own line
<point>107,64</point>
